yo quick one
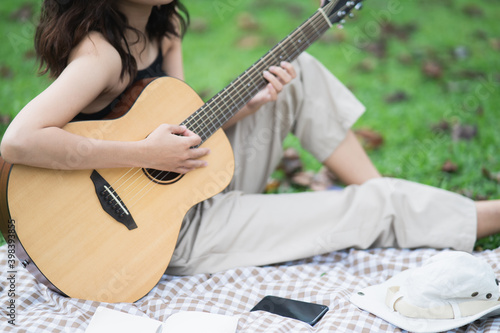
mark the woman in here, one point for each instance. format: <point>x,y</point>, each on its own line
<point>96,49</point>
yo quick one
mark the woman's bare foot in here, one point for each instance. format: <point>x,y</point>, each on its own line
<point>488,218</point>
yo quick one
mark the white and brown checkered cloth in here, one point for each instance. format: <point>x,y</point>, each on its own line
<point>327,279</point>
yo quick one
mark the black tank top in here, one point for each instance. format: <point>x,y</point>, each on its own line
<point>154,70</point>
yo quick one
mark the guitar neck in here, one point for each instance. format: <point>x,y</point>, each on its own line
<point>225,104</point>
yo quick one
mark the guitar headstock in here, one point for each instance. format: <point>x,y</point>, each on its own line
<point>337,10</point>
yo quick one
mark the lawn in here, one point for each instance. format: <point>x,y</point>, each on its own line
<point>428,72</point>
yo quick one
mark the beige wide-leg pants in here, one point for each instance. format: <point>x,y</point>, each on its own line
<point>242,227</point>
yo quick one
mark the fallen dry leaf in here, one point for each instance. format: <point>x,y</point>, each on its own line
<point>5,119</point>
<point>405,58</point>
<point>248,22</point>
<point>495,44</point>
<point>480,34</point>
<point>6,72</point>
<point>495,176</point>
<point>463,132</point>
<point>396,97</point>
<point>272,186</point>
<point>402,32</point>
<point>333,36</point>
<point>270,41</point>
<point>23,14</point>
<point>291,162</point>
<point>442,127</point>
<point>473,10</point>
<point>291,153</point>
<point>30,54</point>
<point>303,178</point>
<point>295,10</point>
<point>198,25</point>
<point>470,74</point>
<point>369,138</point>
<point>432,69</point>
<point>249,42</point>
<point>449,167</point>
<point>377,48</point>
<point>323,180</point>
<point>470,194</point>
<point>366,65</point>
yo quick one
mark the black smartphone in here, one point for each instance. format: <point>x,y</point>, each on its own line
<point>310,313</point>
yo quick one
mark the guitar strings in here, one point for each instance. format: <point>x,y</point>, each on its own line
<point>249,77</point>
<point>243,80</point>
<point>310,24</point>
<point>311,28</point>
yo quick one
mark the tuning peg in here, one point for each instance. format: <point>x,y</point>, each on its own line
<point>359,6</point>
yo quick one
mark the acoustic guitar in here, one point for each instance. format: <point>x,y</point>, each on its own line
<point>108,235</point>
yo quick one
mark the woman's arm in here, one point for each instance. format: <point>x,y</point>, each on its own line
<point>277,77</point>
<point>172,57</point>
<point>36,138</point>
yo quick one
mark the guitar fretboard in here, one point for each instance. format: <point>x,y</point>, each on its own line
<point>220,108</point>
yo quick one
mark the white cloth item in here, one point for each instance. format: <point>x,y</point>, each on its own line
<point>450,290</point>
<point>450,277</point>
<point>107,320</point>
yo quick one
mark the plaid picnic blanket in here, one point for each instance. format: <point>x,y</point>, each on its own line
<point>327,279</point>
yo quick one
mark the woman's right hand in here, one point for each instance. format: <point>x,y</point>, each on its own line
<point>168,148</point>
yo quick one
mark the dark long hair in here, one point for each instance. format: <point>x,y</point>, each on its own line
<point>64,24</point>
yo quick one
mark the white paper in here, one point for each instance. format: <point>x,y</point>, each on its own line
<point>107,320</point>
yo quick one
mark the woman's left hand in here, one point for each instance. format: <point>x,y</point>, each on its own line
<point>277,77</point>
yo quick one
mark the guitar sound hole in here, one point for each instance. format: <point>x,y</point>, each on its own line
<point>162,177</point>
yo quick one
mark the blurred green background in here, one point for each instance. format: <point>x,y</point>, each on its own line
<point>428,72</point>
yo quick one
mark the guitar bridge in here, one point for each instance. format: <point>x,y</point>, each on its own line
<point>111,201</point>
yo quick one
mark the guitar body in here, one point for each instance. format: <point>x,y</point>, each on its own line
<point>108,235</point>
<point>67,236</point>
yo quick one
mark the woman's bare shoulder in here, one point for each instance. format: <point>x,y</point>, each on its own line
<point>95,49</point>
<point>168,43</point>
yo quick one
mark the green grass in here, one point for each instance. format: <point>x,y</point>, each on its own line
<point>467,93</point>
